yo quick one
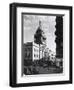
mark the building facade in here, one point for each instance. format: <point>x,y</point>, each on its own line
<point>30,51</point>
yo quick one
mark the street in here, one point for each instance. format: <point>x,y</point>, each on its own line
<point>36,69</point>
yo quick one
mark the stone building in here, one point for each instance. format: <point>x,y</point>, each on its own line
<point>30,51</point>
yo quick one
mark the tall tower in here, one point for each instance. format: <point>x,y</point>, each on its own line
<point>59,37</point>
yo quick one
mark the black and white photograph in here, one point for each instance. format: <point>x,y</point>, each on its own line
<point>42,46</point>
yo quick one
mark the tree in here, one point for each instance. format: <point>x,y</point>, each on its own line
<point>39,37</point>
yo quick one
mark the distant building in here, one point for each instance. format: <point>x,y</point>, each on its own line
<point>52,55</point>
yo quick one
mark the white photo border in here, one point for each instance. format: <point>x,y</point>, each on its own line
<point>43,78</point>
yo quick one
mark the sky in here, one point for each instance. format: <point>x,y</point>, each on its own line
<point>30,25</point>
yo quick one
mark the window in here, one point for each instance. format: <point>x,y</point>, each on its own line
<point>25,50</point>
<point>34,55</point>
<point>34,49</point>
<point>25,55</point>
